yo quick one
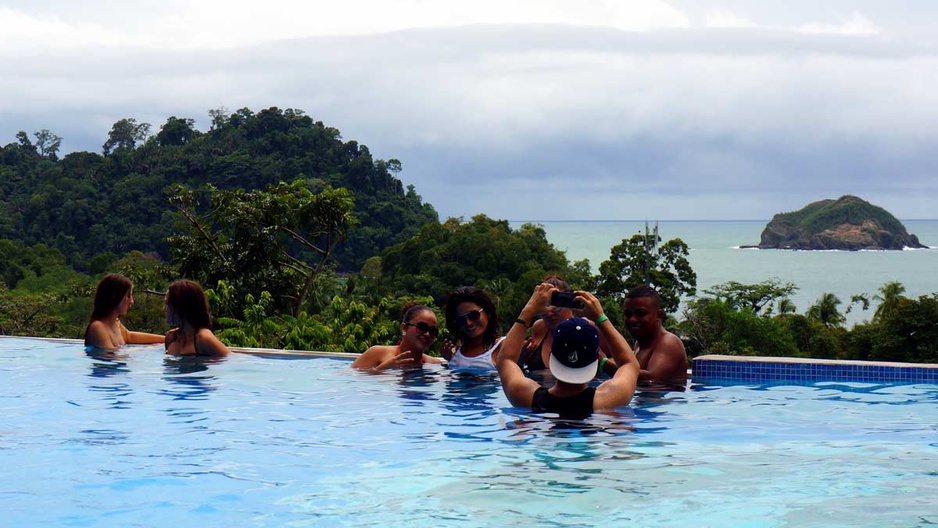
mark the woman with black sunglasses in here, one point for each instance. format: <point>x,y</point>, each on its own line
<point>472,321</point>
<point>418,331</point>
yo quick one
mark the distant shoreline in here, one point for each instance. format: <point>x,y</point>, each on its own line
<point>669,221</point>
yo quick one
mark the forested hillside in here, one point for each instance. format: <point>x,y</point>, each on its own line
<point>86,204</point>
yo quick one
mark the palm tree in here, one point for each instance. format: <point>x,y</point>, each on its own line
<point>825,310</point>
<point>786,306</point>
<point>890,299</point>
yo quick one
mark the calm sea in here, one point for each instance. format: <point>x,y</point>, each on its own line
<point>716,258</point>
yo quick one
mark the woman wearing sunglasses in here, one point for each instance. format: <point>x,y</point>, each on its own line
<point>472,321</point>
<point>418,331</point>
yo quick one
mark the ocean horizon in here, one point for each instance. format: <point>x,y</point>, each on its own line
<point>716,257</point>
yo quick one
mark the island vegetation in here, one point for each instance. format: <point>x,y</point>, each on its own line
<point>847,223</point>
<point>304,241</point>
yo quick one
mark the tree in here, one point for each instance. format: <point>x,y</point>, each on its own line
<point>860,299</point>
<point>909,332</point>
<point>640,260</point>
<point>48,144</point>
<point>825,310</point>
<point>124,135</point>
<point>278,240</point>
<point>176,131</point>
<point>219,117</point>
<point>786,306</point>
<point>23,138</point>
<point>753,297</point>
<point>890,300</point>
<point>27,314</point>
<point>442,257</point>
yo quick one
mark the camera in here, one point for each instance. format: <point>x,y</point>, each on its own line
<point>565,300</point>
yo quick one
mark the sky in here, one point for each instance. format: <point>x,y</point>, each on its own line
<point>523,109</point>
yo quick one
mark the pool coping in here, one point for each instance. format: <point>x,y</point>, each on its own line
<point>269,352</point>
<point>761,368</point>
<point>710,367</point>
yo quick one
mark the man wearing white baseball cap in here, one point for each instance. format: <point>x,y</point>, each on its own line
<point>574,361</point>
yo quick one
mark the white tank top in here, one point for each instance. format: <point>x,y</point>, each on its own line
<point>483,362</point>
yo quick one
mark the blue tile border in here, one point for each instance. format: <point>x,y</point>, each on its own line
<point>749,368</point>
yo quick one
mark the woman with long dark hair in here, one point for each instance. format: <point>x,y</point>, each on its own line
<point>471,320</point>
<point>186,308</point>
<point>113,297</point>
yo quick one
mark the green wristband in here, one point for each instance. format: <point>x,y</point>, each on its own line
<point>602,318</point>
<point>522,322</point>
<point>602,363</point>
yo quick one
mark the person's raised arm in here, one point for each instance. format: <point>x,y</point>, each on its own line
<point>519,388</point>
<point>617,391</point>
<point>381,357</point>
<point>141,338</point>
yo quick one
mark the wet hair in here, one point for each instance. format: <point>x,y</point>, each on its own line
<point>557,282</point>
<point>644,291</point>
<point>473,295</point>
<point>188,302</point>
<point>111,290</point>
<point>411,310</point>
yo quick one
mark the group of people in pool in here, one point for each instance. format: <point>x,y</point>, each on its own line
<point>573,345</point>
<point>186,309</point>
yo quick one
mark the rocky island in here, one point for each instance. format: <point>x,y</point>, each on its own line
<point>848,223</point>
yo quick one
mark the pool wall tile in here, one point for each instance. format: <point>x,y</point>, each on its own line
<point>749,368</point>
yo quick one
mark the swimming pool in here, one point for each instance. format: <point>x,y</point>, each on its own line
<point>149,440</point>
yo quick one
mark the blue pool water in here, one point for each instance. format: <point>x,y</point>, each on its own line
<point>148,440</point>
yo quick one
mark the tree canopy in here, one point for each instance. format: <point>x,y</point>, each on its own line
<point>85,203</point>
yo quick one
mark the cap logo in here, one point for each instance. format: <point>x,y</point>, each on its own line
<point>573,358</point>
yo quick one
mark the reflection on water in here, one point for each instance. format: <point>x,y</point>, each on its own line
<point>106,362</point>
<point>470,393</point>
<point>190,376</point>
<point>417,383</point>
<point>105,365</point>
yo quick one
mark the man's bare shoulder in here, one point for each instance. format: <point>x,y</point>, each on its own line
<point>671,342</point>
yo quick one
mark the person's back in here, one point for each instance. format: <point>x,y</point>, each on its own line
<point>573,361</point>
<point>186,307</point>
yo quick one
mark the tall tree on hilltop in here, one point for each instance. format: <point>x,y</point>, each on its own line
<point>642,260</point>
<point>124,135</point>
<point>48,144</point>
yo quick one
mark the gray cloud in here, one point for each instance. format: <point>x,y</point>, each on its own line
<point>542,122</point>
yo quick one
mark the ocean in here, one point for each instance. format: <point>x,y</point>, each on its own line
<point>716,257</point>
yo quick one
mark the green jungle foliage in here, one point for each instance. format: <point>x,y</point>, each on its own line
<point>303,241</point>
<point>483,252</point>
<point>643,260</point>
<point>85,204</point>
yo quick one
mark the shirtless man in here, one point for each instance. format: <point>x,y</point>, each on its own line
<point>661,355</point>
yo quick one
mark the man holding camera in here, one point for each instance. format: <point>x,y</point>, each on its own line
<point>574,361</point>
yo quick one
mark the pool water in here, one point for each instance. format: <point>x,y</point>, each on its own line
<point>149,440</point>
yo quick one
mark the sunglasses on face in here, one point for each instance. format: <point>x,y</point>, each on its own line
<point>424,328</point>
<point>469,317</point>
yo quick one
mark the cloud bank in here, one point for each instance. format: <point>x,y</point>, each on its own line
<point>536,110</point>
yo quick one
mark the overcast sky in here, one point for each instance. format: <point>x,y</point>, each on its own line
<point>523,109</point>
